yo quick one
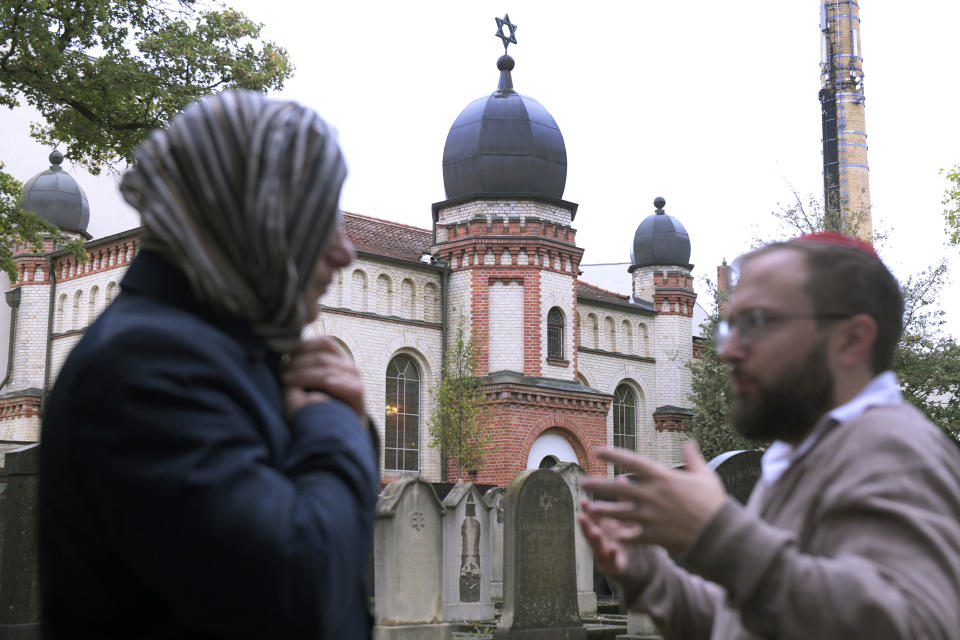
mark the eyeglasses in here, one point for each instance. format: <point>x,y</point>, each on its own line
<point>752,323</point>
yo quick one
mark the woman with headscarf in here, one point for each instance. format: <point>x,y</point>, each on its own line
<point>204,473</point>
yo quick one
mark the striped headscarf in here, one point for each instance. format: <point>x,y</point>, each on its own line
<point>240,192</point>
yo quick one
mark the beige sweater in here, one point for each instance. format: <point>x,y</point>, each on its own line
<point>858,539</point>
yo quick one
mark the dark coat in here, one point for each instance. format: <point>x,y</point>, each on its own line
<point>176,501</point>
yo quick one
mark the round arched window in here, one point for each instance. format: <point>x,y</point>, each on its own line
<point>401,447</point>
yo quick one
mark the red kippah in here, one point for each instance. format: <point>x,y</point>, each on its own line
<point>834,237</point>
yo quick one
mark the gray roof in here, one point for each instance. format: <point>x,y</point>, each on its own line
<point>56,197</point>
<point>504,144</point>
<point>660,239</point>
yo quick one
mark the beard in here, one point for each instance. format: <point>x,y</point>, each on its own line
<point>788,407</point>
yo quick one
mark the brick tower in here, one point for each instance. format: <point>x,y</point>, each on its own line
<point>57,198</point>
<point>661,272</point>
<point>846,174</point>
<point>506,233</point>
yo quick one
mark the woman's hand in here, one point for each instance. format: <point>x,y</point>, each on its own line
<point>317,370</point>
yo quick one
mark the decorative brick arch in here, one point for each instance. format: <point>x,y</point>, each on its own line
<point>427,357</point>
<point>567,433</point>
<point>578,433</point>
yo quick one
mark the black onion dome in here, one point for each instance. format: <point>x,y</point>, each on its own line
<point>56,197</point>
<point>660,239</point>
<point>504,144</point>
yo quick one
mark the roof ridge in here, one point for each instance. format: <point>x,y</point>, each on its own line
<point>384,220</point>
<point>593,286</point>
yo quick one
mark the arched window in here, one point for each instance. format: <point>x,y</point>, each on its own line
<point>61,304</point>
<point>358,290</point>
<point>94,302</point>
<point>624,420</point>
<point>384,295</point>
<point>643,338</point>
<point>430,311</point>
<point>555,333</point>
<point>78,320</point>
<point>610,333</point>
<point>401,450</point>
<point>408,298</point>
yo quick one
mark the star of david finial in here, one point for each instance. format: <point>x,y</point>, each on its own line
<point>507,39</point>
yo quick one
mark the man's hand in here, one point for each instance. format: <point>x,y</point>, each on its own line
<point>609,539</point>
<point>319,369</point>
<point>657,506</point>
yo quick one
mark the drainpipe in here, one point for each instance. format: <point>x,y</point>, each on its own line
<point>13,299</point>
<point>444,267</point>
<point>46,368</point>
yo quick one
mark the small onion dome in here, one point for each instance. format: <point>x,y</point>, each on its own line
<point>57,198</point>
<point>504,144</point>
<point>660,239</point>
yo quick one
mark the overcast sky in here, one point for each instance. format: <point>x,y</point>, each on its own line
<point>712,105</point>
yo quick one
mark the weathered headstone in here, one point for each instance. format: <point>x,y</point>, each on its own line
<point>467,565</point>
<point>739,471</point>
<point>20,595</point>
<point>571,473</point>
<point>640,627</point>
<point>407,562</point>
<point>494,501</point>
<point>539,577</point>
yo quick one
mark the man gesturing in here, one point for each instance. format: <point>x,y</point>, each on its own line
<point>853,530</point>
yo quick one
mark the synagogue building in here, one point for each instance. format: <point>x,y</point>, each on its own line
<point>567,366</point>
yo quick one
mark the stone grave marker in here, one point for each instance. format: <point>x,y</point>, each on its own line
<point>467,565</point>
<point>539,570</point>
<point>20,595</point>
<point>493,498</point>
<point>739,471</point>
<point>571,473</point>
<point>407,556</point>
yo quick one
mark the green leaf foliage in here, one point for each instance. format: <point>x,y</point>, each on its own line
<point>104,74</point>
<point>927,361</point>
<point>951,203</point>
<point>456,425</point>
<point>711,393</point>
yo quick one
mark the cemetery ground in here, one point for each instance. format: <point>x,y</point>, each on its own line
<point>449,560</point>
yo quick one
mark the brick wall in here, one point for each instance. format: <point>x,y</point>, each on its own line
<point>518,414</point>
<point>521,210</point>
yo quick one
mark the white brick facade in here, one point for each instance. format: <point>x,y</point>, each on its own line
<point>506,317</point>
<point>379,308</point>
<point>557,290</point>
<point>372,342</point>
<point>490,209</point>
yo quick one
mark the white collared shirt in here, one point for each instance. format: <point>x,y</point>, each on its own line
<point>883,389</point>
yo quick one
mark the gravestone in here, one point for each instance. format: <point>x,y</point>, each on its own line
<point>467,565</point>
<point>493,498</point>
<point>407,562</point>
<point>19,575</point>
<point>640,626</point>
<point>539,570</point>
<point>571,473</point>
<point>739,471</point>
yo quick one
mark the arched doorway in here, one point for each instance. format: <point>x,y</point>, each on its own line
<point>549,449</point>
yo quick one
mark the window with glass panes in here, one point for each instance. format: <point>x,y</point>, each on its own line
<point>401,447</point>
<point>555,333</point>
<point>624,420</point>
